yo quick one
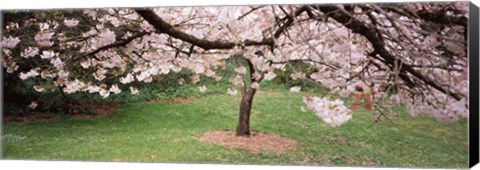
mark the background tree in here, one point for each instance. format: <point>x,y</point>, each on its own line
<point>412,54</point>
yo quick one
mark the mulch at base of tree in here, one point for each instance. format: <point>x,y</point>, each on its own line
<point>257,142</point>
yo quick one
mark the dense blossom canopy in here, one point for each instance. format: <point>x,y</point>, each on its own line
<point>411,53</point>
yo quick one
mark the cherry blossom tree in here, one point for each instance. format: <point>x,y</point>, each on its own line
<point>413,54</point>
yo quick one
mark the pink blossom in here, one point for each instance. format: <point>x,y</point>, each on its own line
<point>73,86</point>
<point>143,75</point>
<point>100,74</point>
<point>47,54</point>
<point>209,73</point>
<point>203,89</point>
<point>39,88</point>
<point>30,52</point>
<point>47,74</point>
<point>85,64</point>
<point>44,26</point>
<point>106,37</point>
<point>10,42</point>
<point>217,78</point>
<point>128,79</point>
<point>93,89</point>
<point>198,68</point>
<point>43,38</point>
<point>11,66</point>
<point>334,112</point>
<point>70,22</point>
<point>257,76</point>
<point>113,20</point>
<point>104,93</point>
<point>57,63</point>
<point>165,68</point>
<point>134,91</point>
<point>237,80</point>
<point>176,69</point>
<point>337,54</point>
<point>91,13</point>
<point>270,75</point>
<point>232,91</point>
<point>295,89</point>
<point>62,74</point>
<point>31,73</point>
<point>254,85</point>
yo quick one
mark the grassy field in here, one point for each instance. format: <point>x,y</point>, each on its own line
<point>164,132</point>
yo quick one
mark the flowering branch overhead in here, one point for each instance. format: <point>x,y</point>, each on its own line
<point>411,53</point>
<point>164,27</point>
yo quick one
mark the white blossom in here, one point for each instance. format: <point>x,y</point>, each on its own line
<point>128,79</point>
<point>39,88</point>
<point>254,85</point>
<point>47,55</point>
<point>295,89</point>
<point>334,113</point>
<point>57,63</point>
<point>104,93</point>
<point>237,80</point>
<point>114,89</point>
<point>257,76</point>
<point>62,74</point>
<point>232,91</point>
<point>100,74</point>
<point>70,22</point>
<point>10,42</point>
<point>270,75</point>
<point>43,38</point>
<point>241,70</point>
<point>73,86</point>
<point>29,52</point>
<point>85,64</point>
<point>31,73</point>
<point>93,89</point>
<point>203,88</point>
<point>134,91</point>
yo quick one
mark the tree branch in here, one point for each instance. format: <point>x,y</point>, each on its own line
<point>441,18</point>
<point>359,27</point>
<point>118,43</point>
<point>289,21</point>
<point>163,27</point>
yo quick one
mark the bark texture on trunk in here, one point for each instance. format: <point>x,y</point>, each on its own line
<point>243,126</point>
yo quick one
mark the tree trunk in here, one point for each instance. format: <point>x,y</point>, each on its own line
<point>243,126</point>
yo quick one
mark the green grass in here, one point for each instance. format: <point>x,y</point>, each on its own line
<point>161,132</point>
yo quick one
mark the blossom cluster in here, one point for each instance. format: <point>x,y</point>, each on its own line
<point>104,45</point>
<point>334,113</point>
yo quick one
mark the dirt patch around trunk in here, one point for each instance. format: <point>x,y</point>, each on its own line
<point>256,143</point>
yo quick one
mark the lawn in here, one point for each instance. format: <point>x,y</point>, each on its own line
<point>165,132</point>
